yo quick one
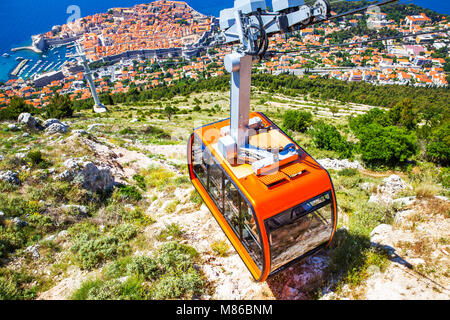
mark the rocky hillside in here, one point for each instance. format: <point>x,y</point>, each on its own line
<point>102,208</point>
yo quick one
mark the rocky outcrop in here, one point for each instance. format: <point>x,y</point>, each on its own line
<point>47,123</point>
<point>10,177</point>
<point>97,178</point>
<point>392,185</point>
<point>92,177</point>
<point>57,128</point>
<point>336,164</point>
<point>382,236</point>
<point>19,222</point>
<point>12,127</point>
<point>51,126</point>
<point>387,191</point>
<point>28,120</point>
<point>33,251</point>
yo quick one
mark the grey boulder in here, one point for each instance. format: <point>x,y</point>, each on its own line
<point>28,120</point>
<point>9,176</point>
<point>56,128</point>
<point>97,178</point>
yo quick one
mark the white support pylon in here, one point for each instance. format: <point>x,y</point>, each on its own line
<point>98,106</point>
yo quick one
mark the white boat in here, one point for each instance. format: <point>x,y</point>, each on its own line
<point>5,55</point>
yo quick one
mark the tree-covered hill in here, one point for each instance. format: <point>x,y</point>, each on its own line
<point>395,11</point>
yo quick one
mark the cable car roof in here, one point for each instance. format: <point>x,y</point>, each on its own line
<point>295,182</point>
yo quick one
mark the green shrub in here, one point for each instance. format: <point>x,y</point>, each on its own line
<point>172,230</point>
<point>130,193</point>
<point>445,177</point>
<point>196,199</point>
<point>172,206</point>
<point>12,205</point>
<point>173,286</point>
<point>61,106</point>
<point>176,257</point>
<point>348,172</point>
<point>90,253</point>
<point>350,257</point>
<point>131,289</point>
<point>327,137</point>
<point>297,120</point>
<point>386,145</point>
<point>136,216</point>
<point>125,231</point>
<point>11,239</point>
<point>15,108</point>
<point>158,177</point>
<point>126,130</point>
<point>221,248</point>
<point>375,115</point>
<point>438,149</point>
<point>140,180</point>
<point>83,292</point>
<point>8,289</point>
<point>169,275</point>
<point>36,159</point>
<point>369,216</point>
<point>144,266</point>
<point>117,268</point>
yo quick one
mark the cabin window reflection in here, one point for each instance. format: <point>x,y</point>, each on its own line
<point>200,162</point>
<point>297,231</point>
<point>216,184</point>
<point>240,217</point>
<point>227,199</point>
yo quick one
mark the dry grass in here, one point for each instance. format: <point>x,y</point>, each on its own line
<point>426,190</point>
<point>221,248</point>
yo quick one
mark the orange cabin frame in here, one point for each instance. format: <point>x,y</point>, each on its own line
<point>263,201</point>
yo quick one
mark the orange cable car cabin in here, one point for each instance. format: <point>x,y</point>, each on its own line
<point>273,219</point>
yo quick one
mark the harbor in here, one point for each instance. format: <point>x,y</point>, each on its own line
<point>19,68</point>
<point>13,65</point>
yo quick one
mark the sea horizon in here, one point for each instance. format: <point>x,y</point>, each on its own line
<point>19,20</point>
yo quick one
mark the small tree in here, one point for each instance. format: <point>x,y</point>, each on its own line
<point>297,120</point>
<point>59,107</point>
<point>386,145</point>
<point>405,115</point>
<point>438,150</point>
<point>107,99</point>
<point>15,108</point>
<point>375,115</point>
<point>170,111</point>
<point>327,137</point>
<point>334,110</point>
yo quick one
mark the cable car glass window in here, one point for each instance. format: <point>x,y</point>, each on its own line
<point>297,231</point>
<point>241,219</point>
<point>215,185</point>
<point>232,208</point>
<point>228,199</point>
<point>198,159</point>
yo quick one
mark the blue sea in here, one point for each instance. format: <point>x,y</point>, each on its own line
<point>19,19</point>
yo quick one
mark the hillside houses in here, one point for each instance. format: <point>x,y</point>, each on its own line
<point>168,24</point>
